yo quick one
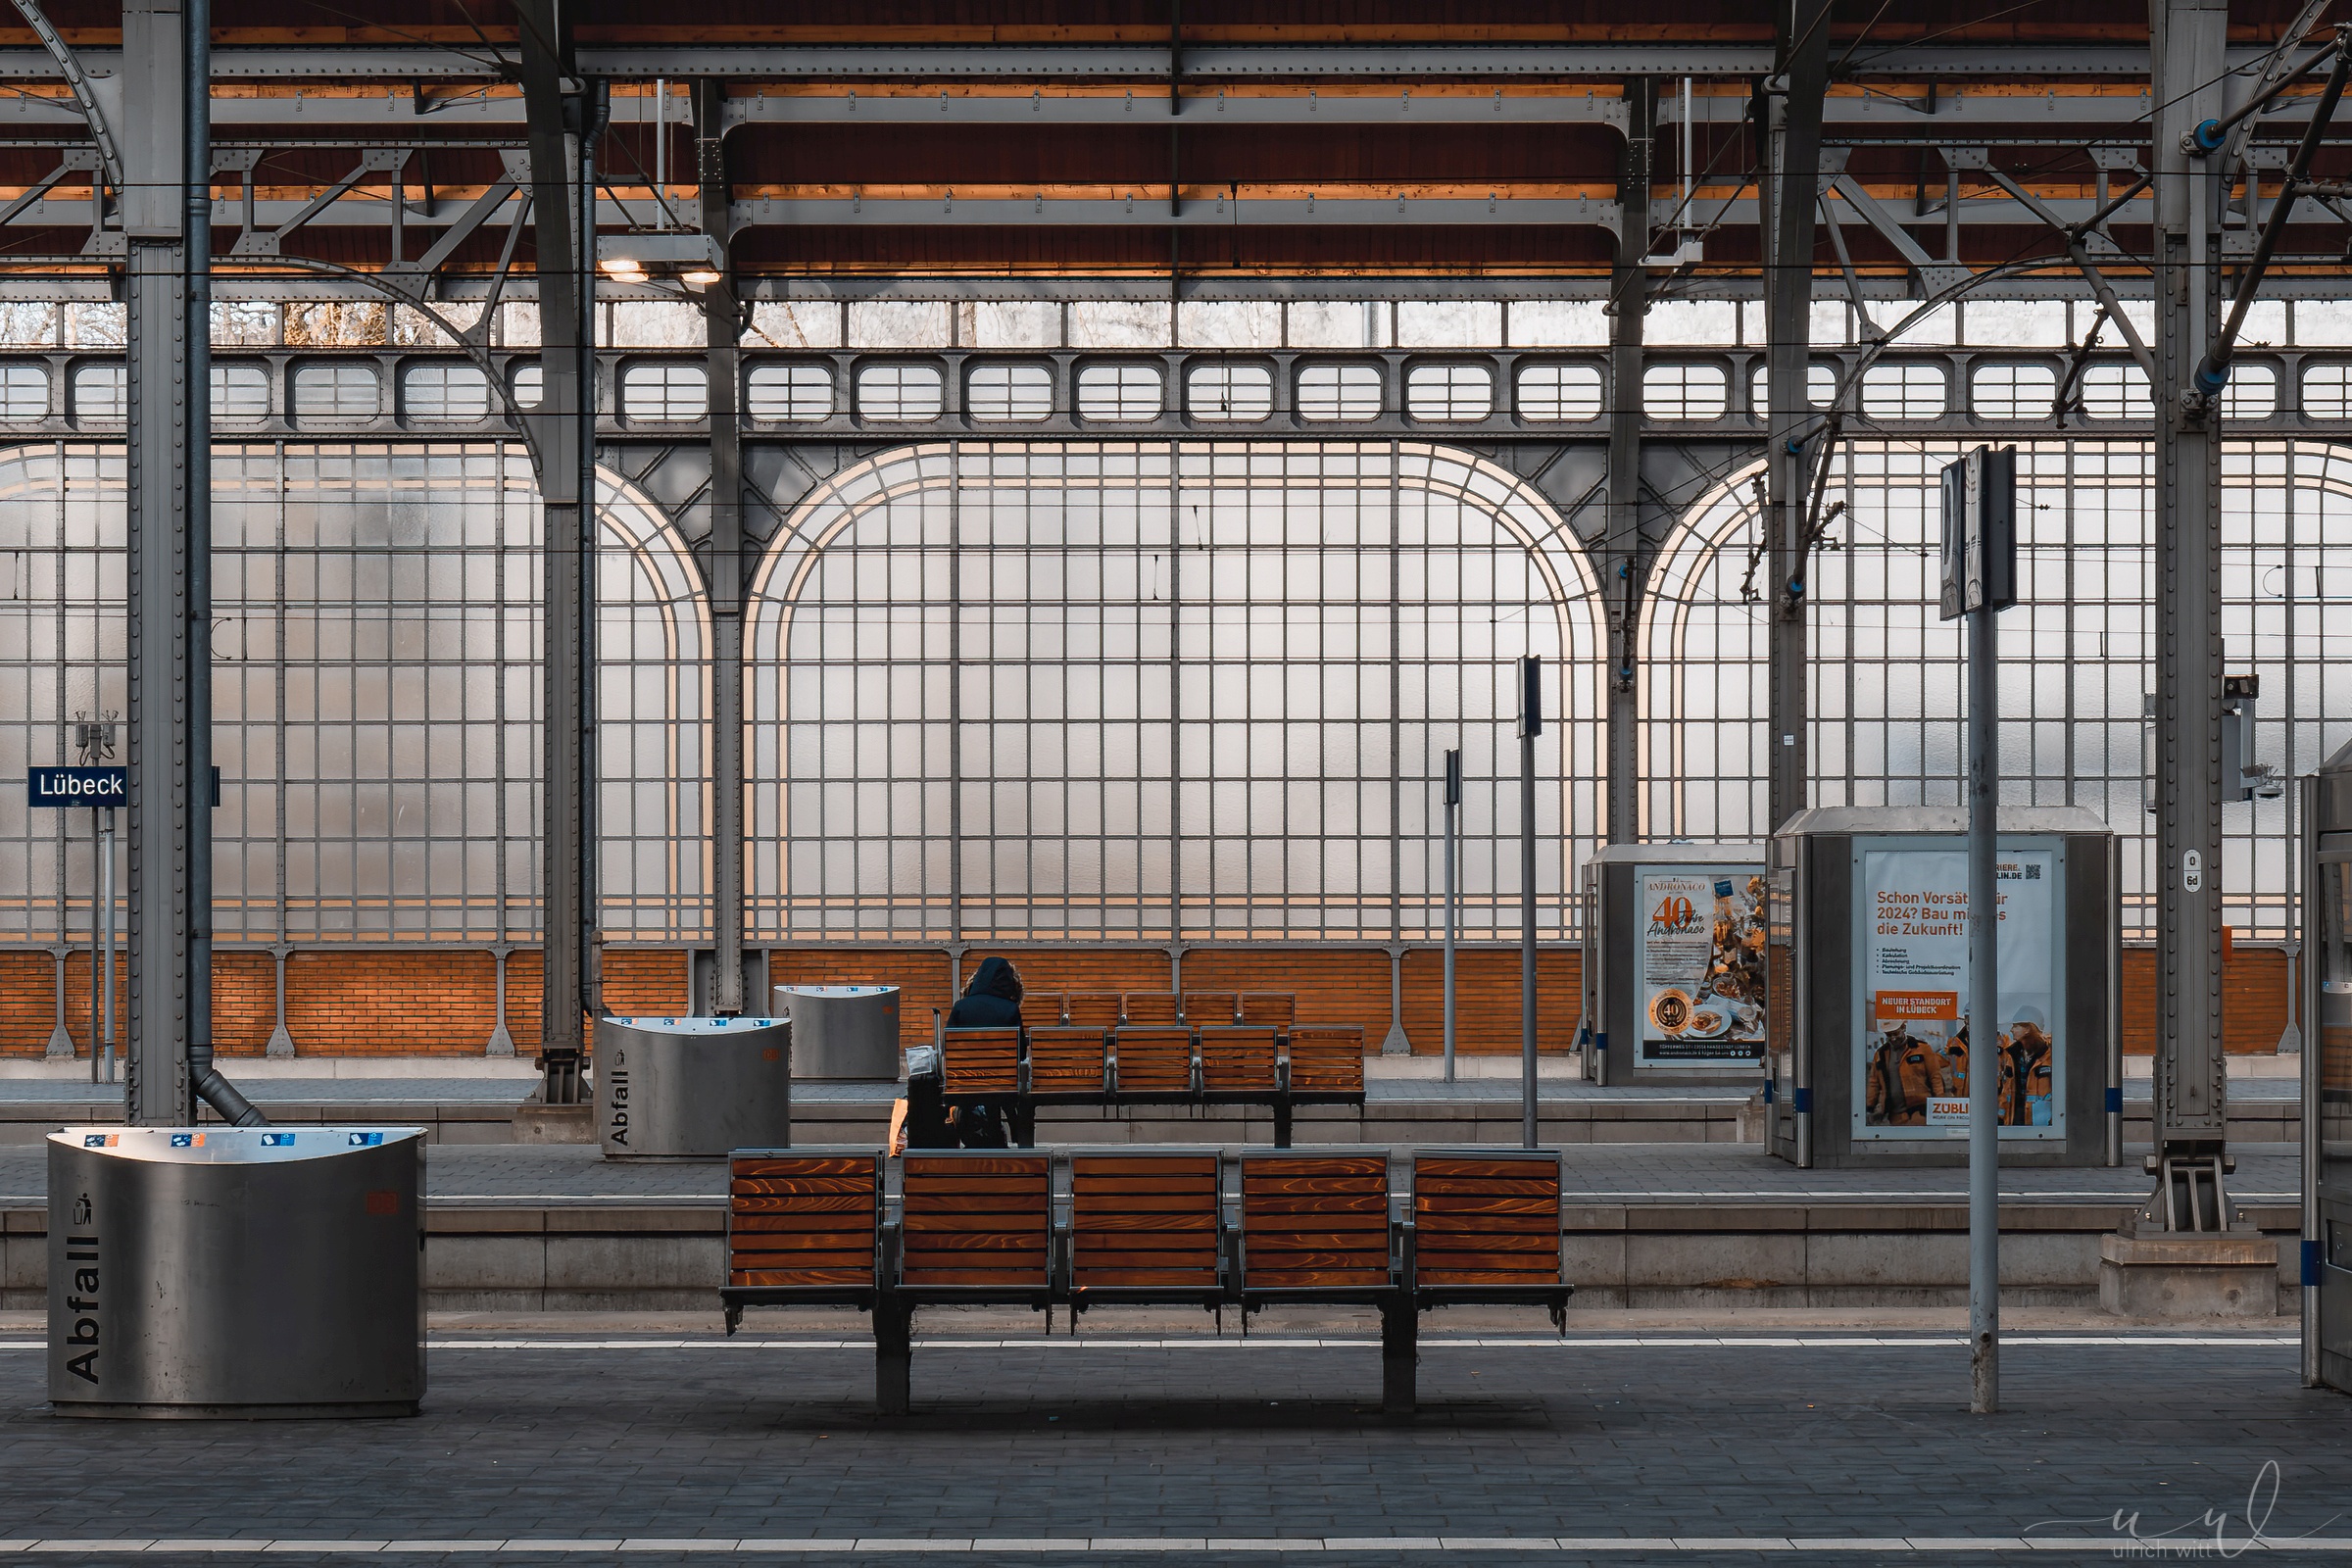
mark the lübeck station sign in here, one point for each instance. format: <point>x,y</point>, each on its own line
<point>77,786</point>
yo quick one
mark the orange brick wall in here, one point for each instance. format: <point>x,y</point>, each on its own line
<point>443,1000</point>
<point>2255,1003</point>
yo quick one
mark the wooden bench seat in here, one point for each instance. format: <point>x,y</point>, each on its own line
<point>974,1219</point>
<point>1242,1059</point>
<point>1145,1227</point>
<point>1067,1059</point>
<point>1326,1059</point>
<point>1154,1059</point>
<point>980,1061</point>
<point>1316,1226</point>
<point>801,1227</point>
<point>1486,1227</point>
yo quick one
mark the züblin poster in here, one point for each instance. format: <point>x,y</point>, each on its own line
<point>1919,1047</point>
<point>1701,958</point>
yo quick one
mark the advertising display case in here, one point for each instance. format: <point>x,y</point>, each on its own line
<point>2327,1010</point>
<point>1873,1053</point>
<point>1674,964</point>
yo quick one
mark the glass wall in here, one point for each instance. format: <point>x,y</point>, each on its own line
<point>1043,691</point>
<point>375,643</point>
<point>2077,653</point>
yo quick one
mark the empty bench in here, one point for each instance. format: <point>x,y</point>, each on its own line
<point>1250,1230</point>
<point>1209,1048</point>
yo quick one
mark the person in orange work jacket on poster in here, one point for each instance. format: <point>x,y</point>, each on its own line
<point>1904,1073</point>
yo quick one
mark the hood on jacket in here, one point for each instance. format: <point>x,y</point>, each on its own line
<point>996,977</point>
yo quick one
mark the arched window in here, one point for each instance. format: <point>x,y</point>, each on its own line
<point>2077,655</point>
<point>1144,691</point>
<point>375,648</point>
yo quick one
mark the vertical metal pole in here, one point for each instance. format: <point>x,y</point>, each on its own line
<point>2308,854</point>
<point>98,879</point>
<point>1530,724</point>
<point>721,339</point>
<point>1803,71</point>
<point>1454,809</point>
<point>106,944</point>
<point>164,749</point>
<point>1984,1019</point>
<point>1624,560</point>
<point>2190,1086</point>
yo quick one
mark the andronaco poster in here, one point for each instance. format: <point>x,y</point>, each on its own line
<point>1915,1055</point>
<point>1700,967</point>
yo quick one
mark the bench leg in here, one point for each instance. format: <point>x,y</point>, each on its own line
<point>1282,1123</point>
<point>1399,1355</point>
<point>894,1356</point>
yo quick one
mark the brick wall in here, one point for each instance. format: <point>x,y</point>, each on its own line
<point>438,1001</point>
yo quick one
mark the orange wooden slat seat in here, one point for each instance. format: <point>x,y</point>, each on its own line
<point>1314,1222</point>
<point>1149,1008</point>
<point>1041,1007</point>
<point>1239,1058</point>
<point>1277,1008</point>
<point>1091,1009</point>
<point>974,1219</point>
<point>1065,1060</point>
<point>1143,1223</point>
<point>800,1222</point>
<point>1205,1008</point>
<point>981,1061</point>
<point>1156,1060</point>
<point>1487,1220</point>
<point>1326,1059</point>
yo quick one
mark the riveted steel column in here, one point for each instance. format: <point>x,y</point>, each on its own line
<point>2189,37</point>
<point>567,908</point>
<point>169,913</point>
<point>1804,74</point>
<point>722,339</point>
<point>1625,562</point>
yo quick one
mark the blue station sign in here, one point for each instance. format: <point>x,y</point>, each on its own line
<point>77,786</point>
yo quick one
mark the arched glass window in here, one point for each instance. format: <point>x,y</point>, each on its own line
<point>1130,691</point>
<point>375,692</point>
<point>1886,675</point>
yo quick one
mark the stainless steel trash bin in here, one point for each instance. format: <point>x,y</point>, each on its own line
<point>232,1271</point>
<point>691,1088</point>
<point>842,1031</point>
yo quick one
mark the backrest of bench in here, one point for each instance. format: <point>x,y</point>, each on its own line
<point>800,1219</point>
<point>1487,1220</point>
<point>1327,1059</point>
<point>1238,1058</point>
<point>1147,1007</point>
<point>1091,1009</point>
<point>1277,1008</point>
<point>1065,1060</point>
<point>1310,1220</point>
<point>1041,1006</point>
<point>981,1061</point>
<point>976,1218</point>
<point>1155,1058</point>
<point>1143,1221</point>
<point>1206,1008</point>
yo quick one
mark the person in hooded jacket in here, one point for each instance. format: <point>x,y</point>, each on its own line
<point>992,1001</point>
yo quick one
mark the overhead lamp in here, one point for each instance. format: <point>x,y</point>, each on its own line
<point>694,260</point>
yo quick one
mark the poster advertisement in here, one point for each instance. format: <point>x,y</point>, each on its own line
<point>1700,965</point>
<point>1916,1052</point>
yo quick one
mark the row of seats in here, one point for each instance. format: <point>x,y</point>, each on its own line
<point>1188,1226</point>
<point>1092,1046</point>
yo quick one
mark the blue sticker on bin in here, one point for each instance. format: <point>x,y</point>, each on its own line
<point>366,1140</point>
<point>93,1140</point>
<point>277,1140</point>
<point>183,1140</point>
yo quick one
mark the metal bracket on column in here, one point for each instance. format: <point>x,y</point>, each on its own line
<point>281,1039</point>
<point>1934,276</point>
<point>501,190</point>
<point>1395,1042</point>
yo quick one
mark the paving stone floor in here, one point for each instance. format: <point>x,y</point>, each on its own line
<point>1604,1173</point>
<point>1186,1451</point>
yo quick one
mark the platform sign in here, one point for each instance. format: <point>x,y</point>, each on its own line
<point>1914,1048</point>
<point>77,786</point>
<point>1700,965</point>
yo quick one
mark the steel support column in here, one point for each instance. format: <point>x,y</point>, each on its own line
<point>567,908</point>
<point>167,925</point>
<point>2188,40</point>
<point>1794,158</point>
<point>1626,556</point>
<point>722,337</point>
